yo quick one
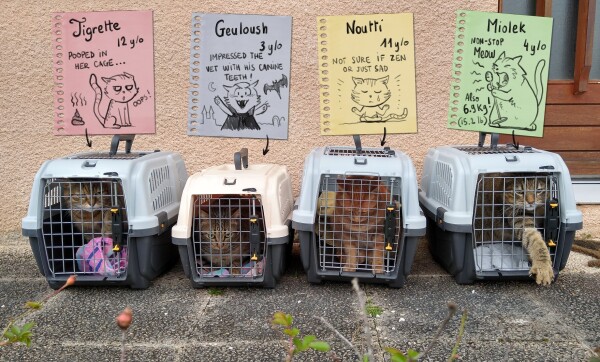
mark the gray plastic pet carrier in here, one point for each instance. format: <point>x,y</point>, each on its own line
<point>105,216</point>
<point>480,201</point>
<point>358,215</point>
<point>234,225</point>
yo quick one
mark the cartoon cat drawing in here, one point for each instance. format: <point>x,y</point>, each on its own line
<point>120,89</point>
<point>516,103</point>
<point>241,104</point>
<point>371,94</point>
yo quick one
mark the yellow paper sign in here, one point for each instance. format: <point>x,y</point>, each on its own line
<point>367,74</point>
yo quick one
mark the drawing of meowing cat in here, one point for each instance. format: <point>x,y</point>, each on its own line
<point>371,94</point>
<point>516,103</point>
<point>241,104</point>
<point>120,89</point>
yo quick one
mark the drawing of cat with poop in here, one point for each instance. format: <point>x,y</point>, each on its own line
<point>120,89</point>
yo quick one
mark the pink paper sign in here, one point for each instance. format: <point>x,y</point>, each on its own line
<point>103,73</point>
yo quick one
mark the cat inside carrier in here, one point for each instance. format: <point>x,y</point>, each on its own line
<point>359,223</point>
<point>84,225</point>
<point>499,212</point>
<point>234,226</point>
<point>103,216</point>
<point>228,235</point>
<point>357,215</point>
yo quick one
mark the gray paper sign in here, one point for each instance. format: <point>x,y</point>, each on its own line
<point>240,76</point>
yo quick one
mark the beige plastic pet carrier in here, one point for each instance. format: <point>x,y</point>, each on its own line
<point>234,226</point>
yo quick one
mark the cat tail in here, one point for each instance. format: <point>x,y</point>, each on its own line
<point>538,82</point>
<point>98,91</point>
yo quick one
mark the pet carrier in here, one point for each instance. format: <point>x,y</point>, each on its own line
<point>482,202</point>
<point>358,215</point>
<point>234,224</point>
<point>104,216</point>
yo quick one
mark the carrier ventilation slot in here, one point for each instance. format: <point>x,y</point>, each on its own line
<point>160,187</point>
<point>354,213</point>
<point>502,211</point>
<point>228,234</point>
<point>107,156</point>
<point>475,150</point>
<point>348,151</point>
<point>77,227</point>
<point>442,183</point>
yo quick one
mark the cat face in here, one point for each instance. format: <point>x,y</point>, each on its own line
<point>120,88</point>
<point>370,92</point>
<point>526,194</point>
<point>220,230</point>
<point>242,96</point>
<point>507,68</point>
<point>87,197</point>
<point>359,200</point>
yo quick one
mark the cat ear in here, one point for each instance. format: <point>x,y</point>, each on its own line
<point>106,80</point>
<point>357,80</point>
<point>253,85</point>
<point>128,75</point>
<point>384,80</point>
<point>518,59</point>
<point>203,214</point>
<point>236,214</point>
<point>227,87</point>
<point>502,55</point>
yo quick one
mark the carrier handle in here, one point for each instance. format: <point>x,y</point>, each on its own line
<point>114,144</point>
<point>357,144</point>
<point>494,138</point>
<point>240,159</point>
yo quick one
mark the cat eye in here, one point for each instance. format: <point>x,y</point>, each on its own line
<point>377,92</point>
<point>364,91</point>
<point>117,88</point>
<point>129,87</point>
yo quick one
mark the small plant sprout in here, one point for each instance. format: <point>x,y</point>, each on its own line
<point>296,343</point>
<point>13,333</point>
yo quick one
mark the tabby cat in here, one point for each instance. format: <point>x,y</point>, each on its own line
<point>221,243</point>
<point>358,221</point>
<point>88,204</point>
<point>517,214</point>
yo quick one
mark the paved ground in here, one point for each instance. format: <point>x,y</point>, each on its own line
<point>508,321</point>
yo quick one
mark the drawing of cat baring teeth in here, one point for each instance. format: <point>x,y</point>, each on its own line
<point>371,94</point>
<point>241,104</point>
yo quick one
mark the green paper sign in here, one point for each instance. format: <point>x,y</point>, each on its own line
<point>500,73</point>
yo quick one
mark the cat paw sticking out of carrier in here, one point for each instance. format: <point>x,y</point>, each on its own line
<point>500,212</point>
<point>105,216</point>
<point>358,215</point>
<point>234,225</point>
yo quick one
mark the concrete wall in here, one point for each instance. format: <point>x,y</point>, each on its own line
<point>26,87</point>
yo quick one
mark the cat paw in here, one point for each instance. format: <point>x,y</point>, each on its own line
<point>544,275</point>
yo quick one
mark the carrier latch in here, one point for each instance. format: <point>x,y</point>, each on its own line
<point>254,238</point>
<point>552,222</point>
<point>390,226</point>
<point>117,227</point>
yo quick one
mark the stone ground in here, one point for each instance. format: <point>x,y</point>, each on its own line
<point>507,321</point>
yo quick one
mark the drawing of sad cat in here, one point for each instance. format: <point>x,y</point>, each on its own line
<point>120,89</point>
<point>371,94</point>
<point>514,212</point>
<point>516,102</point>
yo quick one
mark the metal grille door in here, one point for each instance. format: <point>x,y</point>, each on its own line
<point>359,223</point>
<point>228,236</point>
<point>505,204</point>
<point>85,227</point>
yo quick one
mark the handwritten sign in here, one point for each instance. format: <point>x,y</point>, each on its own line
<point>103,72</point>
<point>501,73</point>
<point>367,66</point>
<point>240,75</point>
